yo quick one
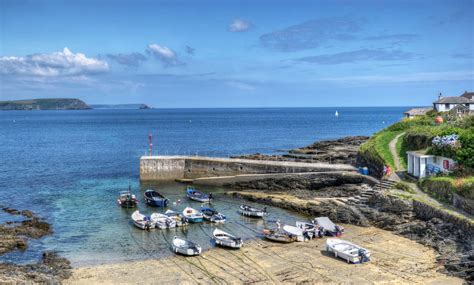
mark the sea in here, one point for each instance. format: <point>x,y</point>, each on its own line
<point>69,166</point>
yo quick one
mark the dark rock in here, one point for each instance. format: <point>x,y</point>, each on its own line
<point>343,150</point>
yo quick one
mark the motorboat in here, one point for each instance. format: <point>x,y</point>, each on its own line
<point>186,247</point>
<point>141,221</point>
<point>177,217</point>
<point>126,199</point>
<point>352,253</point>
<point>295,232</point>
<point>155,199</point>
<point>212,215</point>
<point>278,235</point>
<point>327,227</point>
<point>311,229</point>
<point>249,211</point>
<point>227,240</point>
<point>192,215</point>
<point>162,221</point>
<point>198,196</point>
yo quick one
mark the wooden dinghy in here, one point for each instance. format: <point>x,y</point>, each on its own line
<point>155,199</point>
<point>192,215</point>
<point>212,215</point>
<point>186,247</point>
<point>196,195</point>
<point>141,221</point>
<point>328,227</point>
<point>162,221</point>
<point>352,253</point>
<point>249,211</point>
<point>177,217</point>
<point>278,236</point>
<point>227,240</point>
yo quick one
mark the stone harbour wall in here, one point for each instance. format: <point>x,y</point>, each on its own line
<point>179,167</point>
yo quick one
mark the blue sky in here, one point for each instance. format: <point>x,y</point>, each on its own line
<point>237,53</point>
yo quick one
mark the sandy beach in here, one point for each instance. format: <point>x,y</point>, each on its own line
<point>396,260</point>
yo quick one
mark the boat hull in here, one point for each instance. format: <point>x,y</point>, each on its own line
<point>348,251</point>
<point>195,219</point>
<point>157,203</point>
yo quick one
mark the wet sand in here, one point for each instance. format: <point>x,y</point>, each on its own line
<point>396,260</point>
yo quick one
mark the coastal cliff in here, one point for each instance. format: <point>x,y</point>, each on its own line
<point>45,104</point>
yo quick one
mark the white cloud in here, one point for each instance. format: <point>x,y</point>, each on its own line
<point>239,25</point>
<point>53,64</point>
<point>167,56</point>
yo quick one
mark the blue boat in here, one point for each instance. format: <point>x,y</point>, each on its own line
<point>155,199</point>
<point>212,214</point>
<point>196,195</point>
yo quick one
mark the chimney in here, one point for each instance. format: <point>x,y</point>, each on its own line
<point>440,96</point>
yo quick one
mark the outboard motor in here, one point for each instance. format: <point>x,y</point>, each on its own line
<point>363,255</point>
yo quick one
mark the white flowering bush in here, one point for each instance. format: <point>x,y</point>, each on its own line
<point>449,141</point>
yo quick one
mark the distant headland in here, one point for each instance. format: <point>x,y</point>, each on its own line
<point>45,104</point>
<point>62,104</point>
<point>120,106</point>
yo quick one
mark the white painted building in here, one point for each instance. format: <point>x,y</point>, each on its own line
<point>421,165</point>
<point>445,104</point>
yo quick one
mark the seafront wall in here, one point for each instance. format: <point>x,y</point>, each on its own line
<point>191,167</point>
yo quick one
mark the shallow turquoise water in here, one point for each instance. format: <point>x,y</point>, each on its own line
<point>68,166</point>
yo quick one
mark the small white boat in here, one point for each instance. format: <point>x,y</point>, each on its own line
<point>162,221</point>
<point>192,215</point>
<point>224,239</point>
<point>186,247</point>
<point>311,229</point>
<point>352,253</point>
<point>336,114</point>
<point>141,221</point>
<point>328,227</point>
<point>248,211</point>
<point>177,217</point>
<point>297,233</point>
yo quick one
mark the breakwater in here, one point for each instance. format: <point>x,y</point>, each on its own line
<point>156,168</point>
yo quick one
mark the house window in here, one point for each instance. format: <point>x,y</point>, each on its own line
<point>467,105</point>
<point>446,106</point>
<point>435,160</point>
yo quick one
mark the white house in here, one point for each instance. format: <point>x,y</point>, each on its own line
<point>421,165</point>
<point>445,104</point>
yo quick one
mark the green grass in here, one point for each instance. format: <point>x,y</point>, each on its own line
<point>382,141</point>
<point>402,152</point>
<point>442,186</point>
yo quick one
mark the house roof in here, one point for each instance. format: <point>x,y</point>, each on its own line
<point>418,111</point>
<point>468,95</point>
<point>453,100</point>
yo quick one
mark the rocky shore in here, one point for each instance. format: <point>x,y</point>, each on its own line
<point>343,150</point>
<point>346,201</point>
<point>14,235</point>
<point>396,260</point>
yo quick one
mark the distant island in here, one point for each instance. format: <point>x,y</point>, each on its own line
<point>45,104</point>
<point>63,104</point>
<point>120,106</point>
